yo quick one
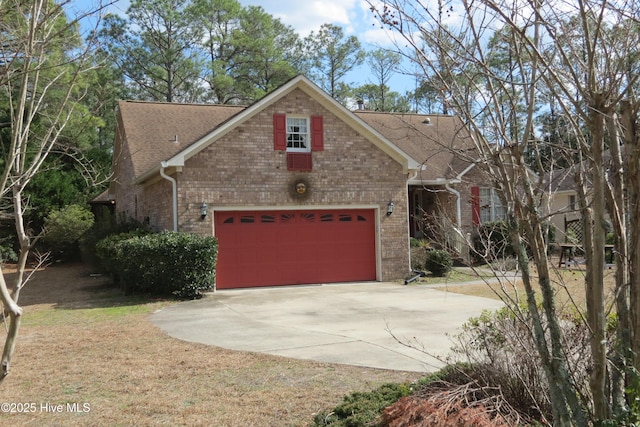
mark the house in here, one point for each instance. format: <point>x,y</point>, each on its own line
<point>561,200</point>
<point>297,188</point>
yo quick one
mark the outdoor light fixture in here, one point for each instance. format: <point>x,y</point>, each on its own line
<point>390,207</point>
<point>204,210</point>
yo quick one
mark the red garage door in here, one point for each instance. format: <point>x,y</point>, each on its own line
<point>267,248</point>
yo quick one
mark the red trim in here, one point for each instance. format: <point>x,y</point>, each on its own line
<point>475,205</point>
<point>299,161</point>
<point>317,134</point>
<point>280,132</point>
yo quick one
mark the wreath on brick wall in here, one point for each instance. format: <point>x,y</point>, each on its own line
<point>299,188</point>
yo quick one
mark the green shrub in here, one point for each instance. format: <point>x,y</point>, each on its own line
<point>167,263</point>
<point>362,408</point>
<point>418,258</point>
<point>438,262</point>
<point>415,243</point>
<point>64,228</point>
<point>112,259</point>
<point>6,251</point>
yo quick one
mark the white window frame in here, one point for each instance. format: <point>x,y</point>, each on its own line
<point>491,208</point>
<point>298,130</point>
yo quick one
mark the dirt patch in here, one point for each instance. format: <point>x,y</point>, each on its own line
<point>86,355</point>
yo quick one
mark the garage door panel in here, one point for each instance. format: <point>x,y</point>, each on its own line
<point>295,247</point>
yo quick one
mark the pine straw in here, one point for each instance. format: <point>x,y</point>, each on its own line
<point>82,342</point>
<point>447,404</point>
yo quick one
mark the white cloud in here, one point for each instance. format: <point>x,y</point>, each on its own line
<point>308,16</point>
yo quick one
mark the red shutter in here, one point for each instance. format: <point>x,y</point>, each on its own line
<point>475,205</point>
<point>317,133</point>
<point>279,132</point>
<point>299,161</point>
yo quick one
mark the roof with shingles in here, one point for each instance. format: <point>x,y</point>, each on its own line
<point>151,128</point>
<point>435,141</point>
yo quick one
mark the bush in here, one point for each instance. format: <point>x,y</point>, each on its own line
<point>112,259</point>
<point>167,263</point>
<point>362,408</point>
<point>102,230</point>
<point>438,262</point>
<point>415,243</point>
<point>418,258</point>
<point>64,228</point>
<point>6,251</point>
<point>500,349</point>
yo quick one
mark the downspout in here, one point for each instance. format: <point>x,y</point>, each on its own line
<point>415,174</point>
<point>174,186</point>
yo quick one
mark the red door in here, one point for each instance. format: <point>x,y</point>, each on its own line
<point>268,248</point>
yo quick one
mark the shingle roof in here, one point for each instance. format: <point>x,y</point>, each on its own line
<point>151,129</point>
<point>433,140</point>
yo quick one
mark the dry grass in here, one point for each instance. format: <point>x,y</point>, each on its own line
<point>82,342</point>
<point>568,283</point>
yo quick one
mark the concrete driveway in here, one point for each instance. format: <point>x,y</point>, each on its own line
<point>354,323</point>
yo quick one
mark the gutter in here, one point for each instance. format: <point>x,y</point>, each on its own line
<point>174,186</point>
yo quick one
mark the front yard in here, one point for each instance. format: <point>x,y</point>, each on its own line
<point>88,356</point>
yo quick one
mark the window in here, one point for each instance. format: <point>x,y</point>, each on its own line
<point>298,135</point>
<point>491,208</point>
<point>572,202</point>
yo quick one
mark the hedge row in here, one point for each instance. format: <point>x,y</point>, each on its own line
<point>167,263</point>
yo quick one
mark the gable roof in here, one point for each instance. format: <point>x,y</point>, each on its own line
<point>435,142</point>
<point>154,132</point>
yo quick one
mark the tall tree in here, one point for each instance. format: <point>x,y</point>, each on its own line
<point>42,67</point>
<point>383,65</point>
<point>156,49</point>
<point>270,52</point>
<point>370,95</point>
<point>220,21</point>
<point>332,57</point>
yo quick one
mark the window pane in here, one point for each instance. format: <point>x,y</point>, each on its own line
<point>485,204</point>
<point>297,134</point>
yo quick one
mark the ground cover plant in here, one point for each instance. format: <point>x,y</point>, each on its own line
<point>83,342</point>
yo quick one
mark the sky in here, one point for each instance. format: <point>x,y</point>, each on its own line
<point>353,16</point>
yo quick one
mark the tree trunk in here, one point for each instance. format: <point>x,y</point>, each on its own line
<point>594,250</point>
<point>632,165</point>
<point>617,210</point>
<point>566,407</point>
